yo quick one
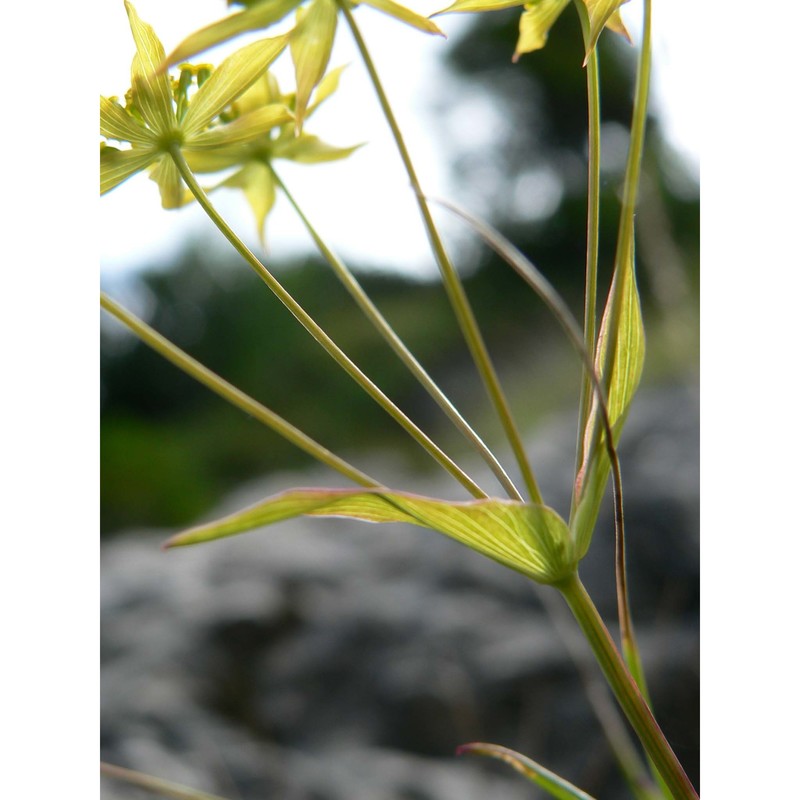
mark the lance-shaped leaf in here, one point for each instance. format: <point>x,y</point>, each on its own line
<point>308,149</point>
<point>616,24</point>
<point>116,123</point>
<point>259,16</point>
<point>231,79</point>
<point>404,15</point>
<point>255,180</point>
<point>535,23</point>
<point>244,129</point>
<point>154,97</point>
<point>553,784</point>
<point>602,13</point>
<point>325,88</point>
<point>170,183</point>
<point>311,44</point>
<point>528,538</point>
<point>117,166</point>
<point>621,371</point>
<point>474,6</point>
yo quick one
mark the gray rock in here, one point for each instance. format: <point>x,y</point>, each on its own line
<point>332,660</point>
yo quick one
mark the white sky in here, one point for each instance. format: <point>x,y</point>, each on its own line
<point>362,205</point>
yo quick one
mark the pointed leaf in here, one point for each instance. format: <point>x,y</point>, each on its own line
<point>169,181</point>
<point>311,44</point>
<point>214,159</point>
<point>255,180</point>
<point>260,93</point>
<point>157,786</point>
<point>553,784</point>
<point>233,76</point>
<point>117,166</point>
<point>527,538</point>
<point>116,123</point>
<point>624,367</point>
<point>465,6</point>
<point>152,92</point>
<point>244,129</point>
<point>535,24</point>
<point>262,15</point>
<point>325,88</point>
<point>307,149</point>
<point>600,12</point>
<point>616,24</point>
<point>405,15</point>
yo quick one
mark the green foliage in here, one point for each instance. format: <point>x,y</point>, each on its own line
<point>554,785</point>
<point>525,537</point>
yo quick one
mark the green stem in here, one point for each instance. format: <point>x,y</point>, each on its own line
<point>233,395</point>
<point>625,689</point>
<point>608,715</point>
<point>592,231</point>
<point>624,248</point>
<point>636,149</point>
<point>398,346</point>
<point>452,283</point>
<point>319,334</point>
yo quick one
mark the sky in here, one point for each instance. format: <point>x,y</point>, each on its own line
<point>362,206</point>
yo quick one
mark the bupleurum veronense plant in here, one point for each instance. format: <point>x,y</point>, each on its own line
<point>231,126</point>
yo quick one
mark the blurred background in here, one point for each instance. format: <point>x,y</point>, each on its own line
<point>330,660</point>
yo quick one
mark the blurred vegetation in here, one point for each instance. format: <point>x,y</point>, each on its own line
<point>171,449</point>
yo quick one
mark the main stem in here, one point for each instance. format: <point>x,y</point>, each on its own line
<point>592,228</point>
<point>625,242</point>
<point>625,689</point>
<point>453,286</point>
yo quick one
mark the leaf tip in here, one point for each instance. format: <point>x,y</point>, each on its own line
<point>172,542</point>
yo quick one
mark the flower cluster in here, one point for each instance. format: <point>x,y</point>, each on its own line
<point>310,41</point>
<point>539,16</point>
<point>234,116</point>
<point>160,115</point>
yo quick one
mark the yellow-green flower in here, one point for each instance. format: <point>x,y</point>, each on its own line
<point>310,41</point>
<point>540,15</point>
<point>160,114</point>
<point>254,176</point>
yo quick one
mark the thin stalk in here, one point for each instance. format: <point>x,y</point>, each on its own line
<point>452,283</point>
<point>556,305</point>
<point>233,395</point>
<point>399,347</point>
<point>154,785</point>
<point>617,735</point>
<point>531,275</point>
<point>592,229</point>
<point>625,689</point>
<point>624,246</point>
<point>319,334</point>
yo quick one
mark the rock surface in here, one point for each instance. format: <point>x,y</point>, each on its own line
<point>333,660</point>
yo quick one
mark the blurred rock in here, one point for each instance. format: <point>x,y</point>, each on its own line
<point>333,660</point>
